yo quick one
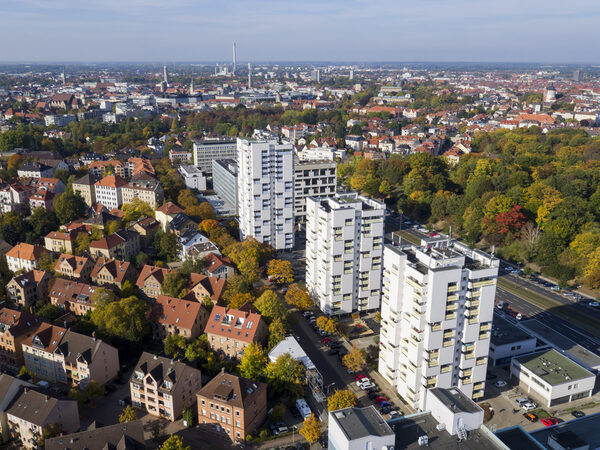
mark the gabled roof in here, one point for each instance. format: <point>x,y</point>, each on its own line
<point>33,276</point>
<point>233,390</point>
<point>122,436</point>
<point>117,269</point>
<point>77,263</point>
<point>63,291</point>
<point>27,252</point>
<point>33,407</point>
<point>160,369</point>
<point>159,273</point>
<point>215,286</point>
<point>46,338</point>
<point>17,322</point>
<point>76,347</point>
<point>169,208</point>
<point>113,181</point>
<point>175,311</point>
<point>233,323</point>
<point>108,242</point>
<point>214,262</point>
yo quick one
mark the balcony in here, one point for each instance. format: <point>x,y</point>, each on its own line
<point>473,303</point>
<point>451,307</point>
<point>450,316</point>
<point>477,395</point>
<point>473,321</point>
<point>453,288</point>
<point>471,312</point>
<point>452,298</point>
<point>481,361</point>
<point>416,286</point>
<point>484,336</point>
<point>477,386</point>
<point>433,355</point>
<point>466,373</point>
<point>448,343</point>
<point>468,380</point>
<point>486,327</point>
<point>436,327</point>
<point>445,369</point>
<point>433,363</point>
<point>448,334</point>
<point>479,284</point>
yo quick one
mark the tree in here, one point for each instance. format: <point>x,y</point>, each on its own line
<point>128,289</point>
<point>93,391</point>
<point>201,212</point>
<point>239,299</point>
<point>127,415</point>
<point>341,399</point>
<point>174,344</point>
<point>327,324</point>
<point>43,221</point>
<point>125,319</point>
<point>277,332</point>
<point>174,442</point>
<point>311,429</point>
<point>385,188</point>
<point>70,206</point>
<point>111,227</point>
<point>82,243</point>
<point>167,246</point>
<point>188,416</point>
<point>48,311</point>
<point>173,284</point>
<point>354,360</point>
<point>285,375</point>
<point>253,362</point>
<point>102,297</point>
<point>280,271</point>
<point>208,226</point>
<point>270,306</point>
<point>187,199</point>
<point>49,431</point>
<point>136,209</point>
<point>298,297</point>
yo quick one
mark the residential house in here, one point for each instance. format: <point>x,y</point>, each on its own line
<point>31,412</point>
<point>54,185</point>
<point>219,266</point>
<point>201,286</point>
<point>108,191</point>
<point>113,272</point>
<point>35,170</point>
<point>231,330</point>
<point>232,406</point>
<point>166,213</point>
<point>121,436</point>
<point>171,315</point>
<point>15,327</point>
<point>150,279</point>
<point>182,223</point>
<point>84,186</point>
<point>163,387</point>
<point>58,355</point>
<point>146,189</point>
<point>42,198</point>
<point>72,296</point>
<point>10,388</point>
<point>61,241</point>
<point>124,244</point>
<point>24,256</point>
<point>188,239</point>
<point>28,288</point>
<point>74,267</point>
<point>146,227</point>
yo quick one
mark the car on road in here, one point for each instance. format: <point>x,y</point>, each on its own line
<point>360,377</point>
<point>500,383</point>
<point>550,421</point>
<point>578,414</point>
<point>362,380</point>
<point>531,417</point>
<point>529,406</point>
<point>519,316</point>
<point>278,428</point>
<point>380,400</point>
<point>554,287</point>
<point>500,305</point>
<point>594,304</point>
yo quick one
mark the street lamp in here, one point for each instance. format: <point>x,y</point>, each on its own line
<point>329,386</point>
<point>293,430</point>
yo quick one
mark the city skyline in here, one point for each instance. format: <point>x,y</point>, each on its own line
<point>183,30</point>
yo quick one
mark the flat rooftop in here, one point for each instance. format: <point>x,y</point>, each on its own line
<point>585,428</point>
<point>516,438</point>
<point>504,332</point>
<point>361,422</point>
<point>554,338</point>
<point>408,430</point>
<point>454,399</point>
<point>553,368</point>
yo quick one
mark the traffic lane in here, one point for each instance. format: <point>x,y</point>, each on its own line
<point>328,366</point>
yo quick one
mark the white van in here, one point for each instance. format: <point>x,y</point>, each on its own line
<point>303,408</point>
<point>500,305</point>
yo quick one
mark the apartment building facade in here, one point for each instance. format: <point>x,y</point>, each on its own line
<point>15,327</point>
<point>28,288</point>
<point>24,256</point>
<point>437,310</point>
<point>172,315</point>
<point>163,387</point>
<point>266,192</point>
<point>207,150</point>
<point>344,252</point>
<point>312,179</point>
<point>232,406</point>
<point>225,180</point>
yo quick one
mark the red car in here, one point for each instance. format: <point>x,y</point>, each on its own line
<point>379,400</point>
<point>326,340</point>
<point>359,377</point>
<point>550,421</point>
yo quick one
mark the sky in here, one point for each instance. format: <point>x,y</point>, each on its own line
<point>302,30</point>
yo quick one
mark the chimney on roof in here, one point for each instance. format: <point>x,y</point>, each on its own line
<point>47,397</point>
<point>94,335</point>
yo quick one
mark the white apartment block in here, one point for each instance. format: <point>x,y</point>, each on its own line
<point>437,309</point>
<point>312,179</point>
<point>344,252</point>
<point>192,177</point>
<point>207,150</point>
<point>321,154</point>
<point>266,192</point>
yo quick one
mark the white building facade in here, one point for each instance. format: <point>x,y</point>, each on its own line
<point>437,309</point>
<point>265,186</point>
<point>207,150</point>
<point>193,177</point>
<point>312,179</point>
<point>344,249</point>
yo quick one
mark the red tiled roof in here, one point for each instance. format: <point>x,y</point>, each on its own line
<point>233,323</point>
<point>175,311</point>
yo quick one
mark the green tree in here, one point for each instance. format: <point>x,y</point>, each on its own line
<point>174,442</point>
<point>173,284</point>
<point>43,221</point>
<point>128,289</point>
<point>277,332</point>
<point>253,362</point>
<point>187,199</point>
<point>125,319</point>
<point>341,399</point>
<point>136,209</point>
<point>270,306</point>
<point>93,391</point>
<point>285,375</point>
<point>70,206</point>
<point>127,415</point>
<point>188,416</point>
<point>174,344</point>
<point>167,246</point>
<point>48,311</point>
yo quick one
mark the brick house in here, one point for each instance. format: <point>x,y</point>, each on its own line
<point>150,279</point>
<point>113,272</point>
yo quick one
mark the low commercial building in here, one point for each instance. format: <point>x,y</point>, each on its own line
<point>452,408</point>
<point>232,406</point>
<point>163,387</point>
<point>552,377</point>
<point>508,341</point>
<point>193,177</point>
<point>230,331</point>
<point>359,428</point>
<point>207,150</point>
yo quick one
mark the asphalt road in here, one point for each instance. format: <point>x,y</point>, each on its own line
<point>570,331</point>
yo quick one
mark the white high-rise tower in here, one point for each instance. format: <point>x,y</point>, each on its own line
<point>234,57</point>
<point>249,76</point>
<point>165,75</point>
<point>437,308</point>
<point>266,192</point>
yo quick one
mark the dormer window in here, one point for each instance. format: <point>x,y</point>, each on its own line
<point>139,375</point>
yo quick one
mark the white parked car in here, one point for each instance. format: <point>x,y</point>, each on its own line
<point>362,381</point>
<point>500,383</point>
<point>368,385</point>
<point>529,406</point>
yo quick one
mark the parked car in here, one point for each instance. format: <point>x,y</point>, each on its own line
<point>531,417</point>
<point>326,340</point>
<point>550,421</point>
<point>394,414</point>
<point>578,414</point>
<point>594,304</point>
<point>379,400</point>
<point>500,383</point>
<point>529,406</point>
<point>500,305</point>
<point>373,395</point>
<point>333,351</point>
<point>278,428</point>
<point>361,380</point>
<point>521,401</point>
<point>385,410</point>
<point>369,385</point>
<point>554,287</point>
<point>360,377</point>
<point>519,316</point>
